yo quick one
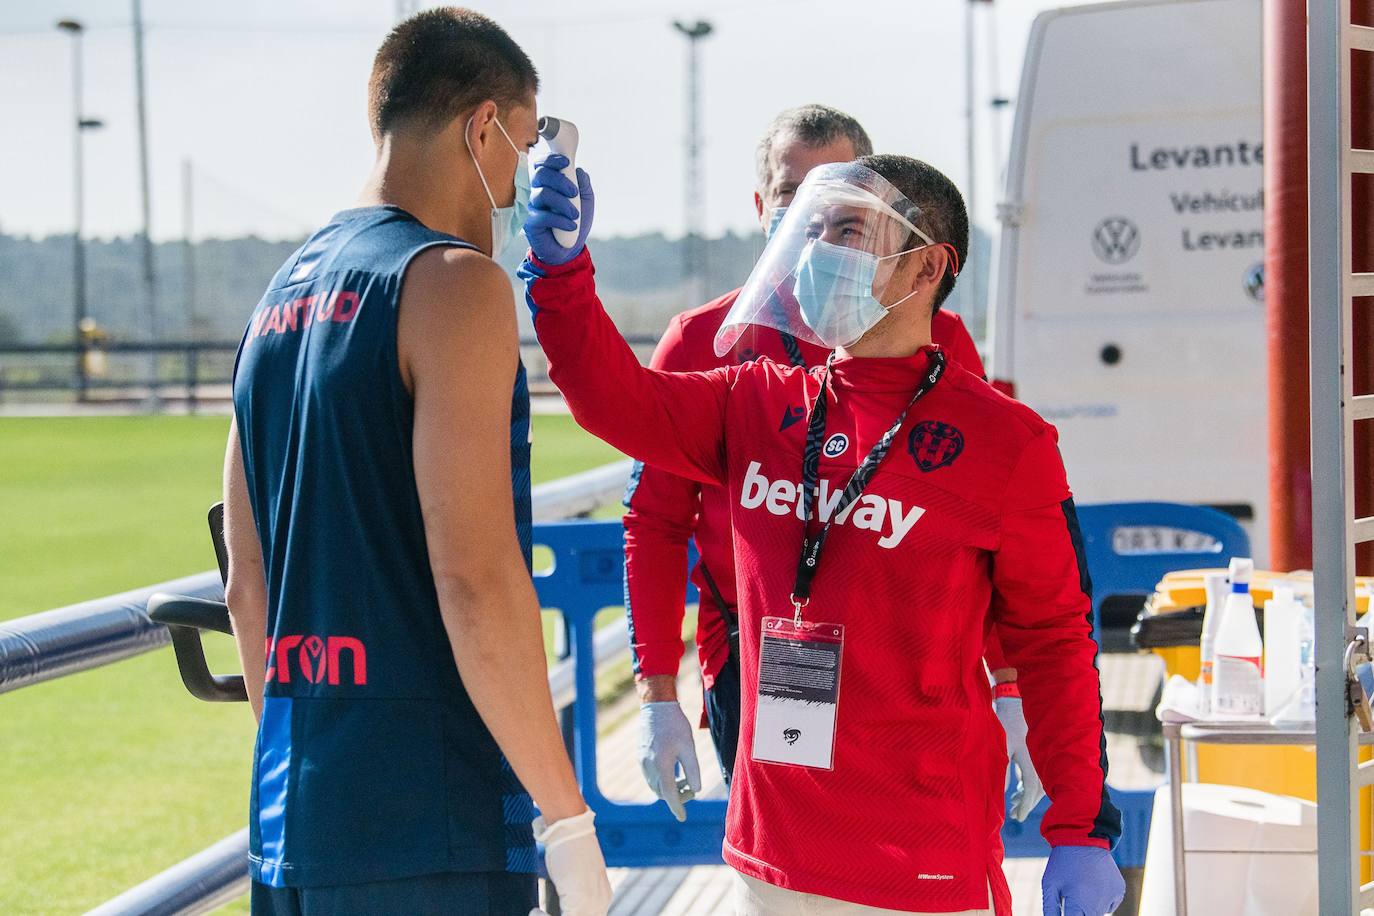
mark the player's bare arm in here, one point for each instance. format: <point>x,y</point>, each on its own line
<point>245,589</point>
<point>459,351</point>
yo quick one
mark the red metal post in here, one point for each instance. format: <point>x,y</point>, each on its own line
<point>1285,284</point>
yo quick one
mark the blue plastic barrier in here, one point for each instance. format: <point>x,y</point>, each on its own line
<point>1139,568</point>
<point>588,576</point>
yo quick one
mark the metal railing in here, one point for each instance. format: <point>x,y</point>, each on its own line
<point>68,640</point>
<point>204,882</point>
<point>191,370</point>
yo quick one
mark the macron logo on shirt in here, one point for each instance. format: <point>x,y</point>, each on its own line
<point>874,513</point>
<point>317,659</point>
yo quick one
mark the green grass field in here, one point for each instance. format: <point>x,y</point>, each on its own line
<point>110,776</point>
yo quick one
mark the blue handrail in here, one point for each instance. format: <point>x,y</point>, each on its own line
<point>587,577</point>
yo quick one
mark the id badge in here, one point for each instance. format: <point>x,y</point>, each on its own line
<point>799,693</point>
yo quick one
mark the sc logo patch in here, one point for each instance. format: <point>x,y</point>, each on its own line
<point>934,444</point>
<point>836,445</point>
<point>791,735</point>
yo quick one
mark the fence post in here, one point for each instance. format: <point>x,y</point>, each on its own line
<point>192,370</point>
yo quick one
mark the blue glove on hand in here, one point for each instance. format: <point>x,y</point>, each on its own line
<point>1028,789</point>
<point>551,208</point>
<point>665,742</point>
<point>1084,879</point>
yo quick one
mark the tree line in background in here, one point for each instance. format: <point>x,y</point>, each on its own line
<point>641,280</point>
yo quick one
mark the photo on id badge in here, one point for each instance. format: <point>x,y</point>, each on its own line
<point>799,693</point>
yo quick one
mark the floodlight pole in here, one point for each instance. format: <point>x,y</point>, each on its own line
<point>970,111</point>
<point>695,195</point>
<point>149,270</point>
<point>188,247</point>
<point>80,124</point>
<point>970,98</point>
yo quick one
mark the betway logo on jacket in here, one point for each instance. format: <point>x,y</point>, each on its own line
<point>316,658</point>
<point>783,497</point>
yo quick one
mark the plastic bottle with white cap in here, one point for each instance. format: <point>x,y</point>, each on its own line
<point>1283,618</point>
<point>1238,672</point>
<point>1217,588</point>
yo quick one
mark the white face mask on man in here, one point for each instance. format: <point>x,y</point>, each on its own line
<point>506,222</point>
<point>834,291</point>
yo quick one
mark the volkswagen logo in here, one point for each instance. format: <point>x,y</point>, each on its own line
<point>1116,240</point>
<point>1254,282</point>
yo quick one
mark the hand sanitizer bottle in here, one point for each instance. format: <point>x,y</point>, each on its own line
<point>1238,673</point>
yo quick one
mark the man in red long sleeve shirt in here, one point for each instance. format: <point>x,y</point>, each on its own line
<point>868,774</point>
<point>666,511</point>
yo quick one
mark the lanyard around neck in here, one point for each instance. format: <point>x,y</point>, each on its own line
<point>813,545</point>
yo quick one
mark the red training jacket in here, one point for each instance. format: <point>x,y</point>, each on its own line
<point>968,522</point>
<point>666,510</point>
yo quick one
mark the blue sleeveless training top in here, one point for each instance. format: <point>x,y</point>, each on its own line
<point>371,761</point>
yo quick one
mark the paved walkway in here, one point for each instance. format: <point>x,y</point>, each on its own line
<point>1128,684</point>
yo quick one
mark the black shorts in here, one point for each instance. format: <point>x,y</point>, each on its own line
<point>493,893</point>
<point>722,715</point>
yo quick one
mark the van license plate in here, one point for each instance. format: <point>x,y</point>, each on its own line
<point>1134,540</point>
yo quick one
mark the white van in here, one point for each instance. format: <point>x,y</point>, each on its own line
<point>1129,303</point>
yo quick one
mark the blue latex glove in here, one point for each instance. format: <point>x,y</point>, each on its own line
<point>551,208</point>
<point>1028,789</point>
<point>1084,879</point>
<point>665,743</point>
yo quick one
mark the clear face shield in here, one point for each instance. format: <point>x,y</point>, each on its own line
<point>824,272</point>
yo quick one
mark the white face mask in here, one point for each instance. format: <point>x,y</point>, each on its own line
<point>506,222</point>
<point>834,291</point>
<point>775,215</point>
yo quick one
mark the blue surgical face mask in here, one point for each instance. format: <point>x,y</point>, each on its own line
<point>775,215</point>
<point>506,222</point>
<point>834,290</point>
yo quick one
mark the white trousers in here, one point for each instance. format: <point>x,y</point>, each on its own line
<point>759,898</point>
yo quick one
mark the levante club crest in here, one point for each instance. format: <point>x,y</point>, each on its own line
<point>934,444</point>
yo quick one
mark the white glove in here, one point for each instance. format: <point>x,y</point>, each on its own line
<point>573,859</point>
<point>1028,789</point>
<point>665,742</point>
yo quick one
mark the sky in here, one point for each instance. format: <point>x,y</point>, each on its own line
<point>266,101</point>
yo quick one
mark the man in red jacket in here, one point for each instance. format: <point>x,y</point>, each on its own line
<point>666,511</point>
<point>877,540</point>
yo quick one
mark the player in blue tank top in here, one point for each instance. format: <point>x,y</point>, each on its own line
<point>377,507</point>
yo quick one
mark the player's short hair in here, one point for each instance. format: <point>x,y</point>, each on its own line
<point>443,62</point>
<point>813,125</point>
<point>943,214</point>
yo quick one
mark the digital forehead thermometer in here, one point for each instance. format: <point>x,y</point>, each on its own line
<point>561,136</point>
